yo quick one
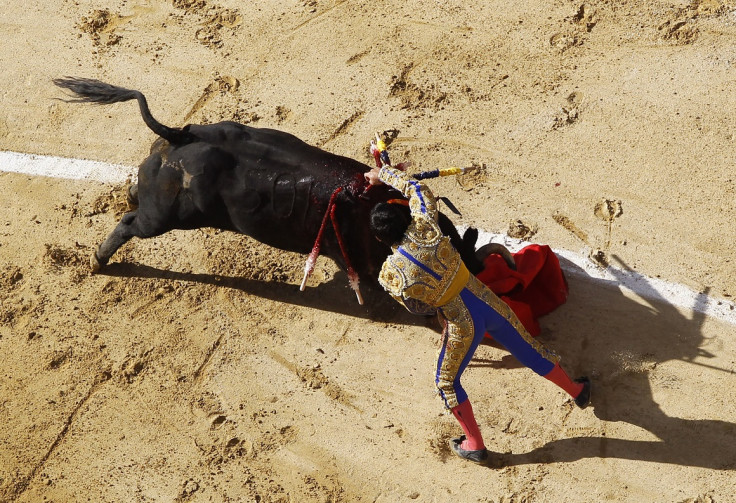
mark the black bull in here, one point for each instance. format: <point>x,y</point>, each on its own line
<point>264,183</point>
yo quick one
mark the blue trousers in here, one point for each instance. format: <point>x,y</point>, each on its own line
<point>468,317</point>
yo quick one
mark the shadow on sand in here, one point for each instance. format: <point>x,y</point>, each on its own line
<point>334,295</point>
<point>628,341</point>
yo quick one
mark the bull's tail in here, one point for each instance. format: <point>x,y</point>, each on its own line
<point>95,91</point>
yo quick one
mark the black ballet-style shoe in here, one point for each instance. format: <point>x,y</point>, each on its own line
<point>477,456</point>
<point>583,399</point>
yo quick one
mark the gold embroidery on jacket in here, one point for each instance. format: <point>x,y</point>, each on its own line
<point>403,277</point>
<point>459,338</point>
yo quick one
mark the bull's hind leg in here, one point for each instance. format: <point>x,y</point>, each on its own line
<point>127,228</point>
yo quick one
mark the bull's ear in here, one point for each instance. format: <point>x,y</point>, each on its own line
<point>470,237</point>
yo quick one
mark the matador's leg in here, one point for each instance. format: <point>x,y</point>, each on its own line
<point>460,340</point>
<point>505,327</point>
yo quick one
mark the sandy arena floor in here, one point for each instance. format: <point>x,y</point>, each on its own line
<point>193,369</point>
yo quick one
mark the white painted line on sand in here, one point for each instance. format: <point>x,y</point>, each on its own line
<point>60,167</point>
<point>654,289</point>
<point>643,286</point>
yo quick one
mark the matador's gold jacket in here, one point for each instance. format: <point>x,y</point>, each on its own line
<point>424,268</point>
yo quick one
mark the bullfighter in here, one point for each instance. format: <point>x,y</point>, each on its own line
<point>425,273</point>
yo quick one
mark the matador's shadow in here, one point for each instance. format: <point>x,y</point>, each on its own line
<point>627,340</point>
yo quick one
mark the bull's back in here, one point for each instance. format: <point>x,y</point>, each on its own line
<point>279,187</point>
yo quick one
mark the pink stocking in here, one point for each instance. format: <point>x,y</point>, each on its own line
<point>558,376</point>
<point>464,415</point>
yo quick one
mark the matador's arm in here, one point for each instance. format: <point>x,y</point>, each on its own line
<point>422,202</point>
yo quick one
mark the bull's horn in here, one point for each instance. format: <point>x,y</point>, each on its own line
<point>499,249</point>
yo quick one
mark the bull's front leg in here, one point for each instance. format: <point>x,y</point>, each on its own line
<point>126,229</point>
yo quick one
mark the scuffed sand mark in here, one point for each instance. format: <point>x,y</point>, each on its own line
<point>342,128</point>
<point>100,25</point>
<point>191,6</point>
<point>569,113</point>
<point>681,27</point>
<point>442,429</point>
<point>608,210</point>
<point>214,20</point>
<point>10,277</point>
<point>25,482</point>
<point>520,229</point>
<point>678,31</point>
<point>312,6</point>
<point>357,57</point>
<point>579,26</point>
<point>411,95</point>
<point>568,224</point>
<point>221,84</point>
<point>314,378</point>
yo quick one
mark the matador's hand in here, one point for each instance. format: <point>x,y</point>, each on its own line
<point>372,176</point>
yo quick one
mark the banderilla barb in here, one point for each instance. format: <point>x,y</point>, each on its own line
<point>380,155</point>
<point>312,258</point>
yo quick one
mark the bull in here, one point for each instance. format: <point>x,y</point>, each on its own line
<point>264,183</point>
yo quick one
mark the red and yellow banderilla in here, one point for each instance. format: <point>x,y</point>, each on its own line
<point>380,155</point>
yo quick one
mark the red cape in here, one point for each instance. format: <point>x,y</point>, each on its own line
<point>536,288</point>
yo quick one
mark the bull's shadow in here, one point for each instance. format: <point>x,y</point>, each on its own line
<point>333,295</point>
<point>628,341</point>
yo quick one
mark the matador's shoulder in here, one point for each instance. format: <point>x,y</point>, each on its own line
<point>392,277</point>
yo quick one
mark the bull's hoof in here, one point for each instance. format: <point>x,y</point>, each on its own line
<point>94,263</point>
<point>132,198</point>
